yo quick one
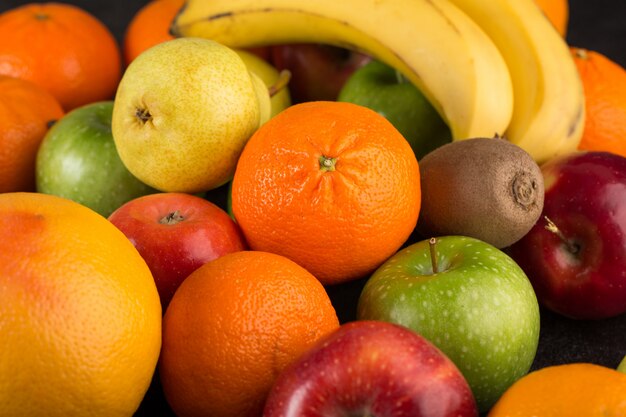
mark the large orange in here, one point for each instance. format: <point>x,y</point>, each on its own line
<point>80,317</point>
<point>62,48</point>
<point>331,185</point>
<point>232,326</point>
<point>557,11</point>
<point>576,389</point>
<point>25,113</point>
<point>604,84</point>
<point>149,26</point>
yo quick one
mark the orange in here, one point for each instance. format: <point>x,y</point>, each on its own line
<point>604,84</point>
<point>232,326</point>
<point>333,186</point>
<point>80,315</point>
<point>149,26</point>
<point>557,11</point>
<point>62,48</point>
<point>26,110</point>
<point>576,389</point>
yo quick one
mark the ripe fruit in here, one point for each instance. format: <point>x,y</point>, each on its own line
<point>469,299</point>
<point>270,76</point>
<point>232,326</point>
<point>576,389</point>
<point>80,318</point>
<point>332,186</point>
<point>25,113</point>
<point>371,368</point>
<point>176,233</point>
<point>557,11</point>
<point>318,71</point>
<point>489,189</point>
<point>62,48</point>
<point>604,83</point>
<point>382,88</point>
<point>575,255</point>
<point>183,112</point>
<point>149,26</point>
<point>77,159</point>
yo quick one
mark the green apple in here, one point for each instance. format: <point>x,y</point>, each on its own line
<point>281,99</point>
<point>183,112</point>
<point>468,298</point>
<point>77,160</point>
<point>383,89</point>
<point>622,365</point>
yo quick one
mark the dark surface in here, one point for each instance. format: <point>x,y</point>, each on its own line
<point>597,25</point>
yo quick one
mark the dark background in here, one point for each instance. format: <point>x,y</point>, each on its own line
<point>597,25</point>
<point>594,24</point>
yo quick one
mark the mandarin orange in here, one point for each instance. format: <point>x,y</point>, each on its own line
<point>331,185</point>
<point>26,110</point>
<point>232,326</point>
<point>576,389</point>
<point>604,84</point>
<point>62,48</point>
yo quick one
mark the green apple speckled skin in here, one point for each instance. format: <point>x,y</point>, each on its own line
<point>77,160</point>
<point>479,308</point>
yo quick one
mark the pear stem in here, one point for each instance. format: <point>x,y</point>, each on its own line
<point>551,227</point>
<point>433,254</point>
<point>283,79</point>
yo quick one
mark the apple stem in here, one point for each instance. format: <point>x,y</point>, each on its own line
<point>283,79</point>
<point>433,254</point>
<point>400,78</point>
<point>551,227</point>
<point>172,218</point>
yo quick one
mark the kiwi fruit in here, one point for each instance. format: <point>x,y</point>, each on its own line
<point>486,188</point>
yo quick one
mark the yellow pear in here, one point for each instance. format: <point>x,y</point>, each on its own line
<point>281,98</point>
<point>183,112</point>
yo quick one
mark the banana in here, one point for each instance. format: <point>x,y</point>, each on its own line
<point>435,45</point>
<point>549,103</point>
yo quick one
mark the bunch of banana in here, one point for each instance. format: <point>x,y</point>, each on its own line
<point>490,68</point>
<point>435,45</point>
<point>549,102</point>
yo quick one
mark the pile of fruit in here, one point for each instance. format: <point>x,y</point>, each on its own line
<point>177,212</point>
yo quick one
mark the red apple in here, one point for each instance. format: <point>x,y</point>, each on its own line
<point>575,255</point>
<point>176,233</point>
<point>371,368</point>
<point>317,71</point>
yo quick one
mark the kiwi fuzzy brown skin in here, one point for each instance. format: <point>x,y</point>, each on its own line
<point>486,188</point>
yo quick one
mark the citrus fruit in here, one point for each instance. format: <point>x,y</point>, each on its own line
<point>80,318</point>
<point>232,326</point>
<point>576,389</point>
<point>25,113</point>
<point>63,48</point>
<point>331,185</point>
<point>604,84</point>
<point>557,11</point>
<point>149,26</point>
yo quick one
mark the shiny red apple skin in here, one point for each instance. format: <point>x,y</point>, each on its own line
<point>317,71</point>
<point>371,368</point>
<point>583,274</point>
<point>197,232</point>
